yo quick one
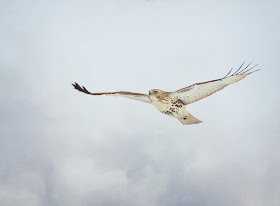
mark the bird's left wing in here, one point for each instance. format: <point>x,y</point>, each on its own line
<point>201,90</point>
<point>131,95</point>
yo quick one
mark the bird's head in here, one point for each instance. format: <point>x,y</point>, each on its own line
<point>155,92</point>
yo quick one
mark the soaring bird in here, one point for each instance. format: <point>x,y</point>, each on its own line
<point>173,103</point>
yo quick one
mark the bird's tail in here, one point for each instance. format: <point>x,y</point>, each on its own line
<point>189,119</point>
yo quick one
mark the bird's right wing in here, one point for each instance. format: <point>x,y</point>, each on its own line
<point>201,90</point>
<point>131,95</point>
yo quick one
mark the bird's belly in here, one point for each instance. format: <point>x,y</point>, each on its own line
<point>170,109</point>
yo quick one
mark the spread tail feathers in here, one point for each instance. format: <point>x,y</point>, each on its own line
<point>189,119</point>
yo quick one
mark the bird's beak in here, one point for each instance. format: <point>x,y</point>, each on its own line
<point>150,93</point>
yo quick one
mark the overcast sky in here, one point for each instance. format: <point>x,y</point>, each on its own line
<point>60,147</point>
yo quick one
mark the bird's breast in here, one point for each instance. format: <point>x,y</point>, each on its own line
<point>161,106</point>
<point>171,109</point>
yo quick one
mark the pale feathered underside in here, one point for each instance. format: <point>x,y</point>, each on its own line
<point>201,90</point>
<point>131,95</point>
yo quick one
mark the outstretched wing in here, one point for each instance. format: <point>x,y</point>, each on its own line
<point>201,90</point>
<point>131,95</point>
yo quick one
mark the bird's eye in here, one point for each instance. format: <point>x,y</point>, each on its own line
<point>155,92</point>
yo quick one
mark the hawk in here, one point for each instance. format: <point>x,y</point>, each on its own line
<point>173,103</point>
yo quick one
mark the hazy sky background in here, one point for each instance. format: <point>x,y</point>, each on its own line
<point>60,147</point>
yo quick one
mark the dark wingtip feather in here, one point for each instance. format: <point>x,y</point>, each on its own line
<point>238,68</point>
<point>243,71</point>
<point>254,71</point>
<point>79,88</point>
<point>228,73</point>
<point>248,70</point>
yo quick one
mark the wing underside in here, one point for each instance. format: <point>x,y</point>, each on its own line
<point>201,90</point>
<point>130,95</point>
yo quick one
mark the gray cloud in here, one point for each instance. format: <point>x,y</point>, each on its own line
<point>60,147</point>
